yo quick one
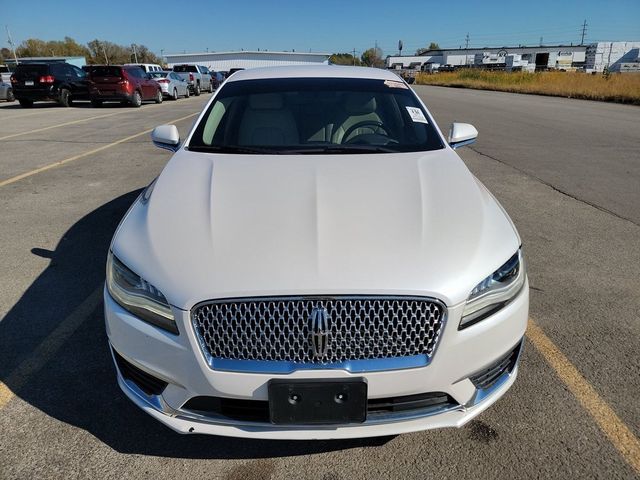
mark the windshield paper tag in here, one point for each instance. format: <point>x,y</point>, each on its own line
<point>416,115</point>
<point>395,84</point>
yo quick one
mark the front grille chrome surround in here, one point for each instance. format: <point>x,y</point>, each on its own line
<point>274,334</point>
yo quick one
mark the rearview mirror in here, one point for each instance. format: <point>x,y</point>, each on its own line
<point>461,134</point>
<point>167,137</point>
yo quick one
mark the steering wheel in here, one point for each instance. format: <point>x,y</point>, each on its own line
<point>374,125</point>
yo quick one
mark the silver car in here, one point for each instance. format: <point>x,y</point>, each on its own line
<point>171,84</point>
<point>6,92</point>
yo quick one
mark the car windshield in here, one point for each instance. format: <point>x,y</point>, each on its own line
<point>106,71</point>
<point>158,74</point>
<point>185,68</point>
<point>315,116</point>
<point>37,69</point>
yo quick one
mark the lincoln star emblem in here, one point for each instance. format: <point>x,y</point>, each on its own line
<point>319,327</point>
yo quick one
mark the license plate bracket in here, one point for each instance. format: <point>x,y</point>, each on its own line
<point>317,402</point>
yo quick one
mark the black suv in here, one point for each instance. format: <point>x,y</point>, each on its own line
<point>59,81</point>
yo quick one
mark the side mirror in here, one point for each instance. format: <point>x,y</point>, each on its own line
<point>167,137</point>
<point>461,134</point>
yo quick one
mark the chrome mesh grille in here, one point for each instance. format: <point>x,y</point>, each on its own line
<point>279,329</point>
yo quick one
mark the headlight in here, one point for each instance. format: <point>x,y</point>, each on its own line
<point>138,296</point>
<point>495,291</point>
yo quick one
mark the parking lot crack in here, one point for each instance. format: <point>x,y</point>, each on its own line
<point>557,189</point>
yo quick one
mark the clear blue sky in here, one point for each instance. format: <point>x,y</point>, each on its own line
<point>325,26</point>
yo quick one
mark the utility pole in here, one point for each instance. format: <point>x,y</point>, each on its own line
<point>354,57</point>
<point>584,30</point>
<point>540,41</point>
<point>466,47</point>
<point>135,54</point>
<point>15,57</point>
<point>104,51</point>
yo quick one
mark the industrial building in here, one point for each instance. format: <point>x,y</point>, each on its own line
<point>224,61</point>
<point>616,56</point>
<point>77,61</point>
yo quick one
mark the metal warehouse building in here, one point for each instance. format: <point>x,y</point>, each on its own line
<point>555,56</point>
<point>224,61</point>
<point>617,56</point>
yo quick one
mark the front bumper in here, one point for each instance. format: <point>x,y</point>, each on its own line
<point>178,361</point>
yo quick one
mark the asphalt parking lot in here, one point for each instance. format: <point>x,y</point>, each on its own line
<point>568,173</point>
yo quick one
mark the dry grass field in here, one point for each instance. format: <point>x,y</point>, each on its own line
<point>623,88</point>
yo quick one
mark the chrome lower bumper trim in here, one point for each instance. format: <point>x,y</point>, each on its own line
<point>157,403</point>
<point>352,366</point>
<point>482,393</point>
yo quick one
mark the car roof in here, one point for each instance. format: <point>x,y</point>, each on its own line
<point>37,64</point>
<point>313,71</point>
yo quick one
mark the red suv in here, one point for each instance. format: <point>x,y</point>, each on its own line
<point>129,85</point>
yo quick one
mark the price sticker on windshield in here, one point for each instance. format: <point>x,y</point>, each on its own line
<point>395,84</point>
<point>417,115</point>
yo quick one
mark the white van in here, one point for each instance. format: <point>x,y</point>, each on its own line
<point>147,67</point>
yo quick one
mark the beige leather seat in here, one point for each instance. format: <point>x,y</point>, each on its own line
<point>359,107</point>
<point>267,121</point>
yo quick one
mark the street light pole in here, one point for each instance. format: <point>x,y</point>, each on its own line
<point>13,48</point>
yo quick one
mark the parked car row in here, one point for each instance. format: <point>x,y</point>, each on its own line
<point>130,84</point>
<point>197,77</point>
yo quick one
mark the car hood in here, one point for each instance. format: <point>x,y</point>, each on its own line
<point>223,226</point>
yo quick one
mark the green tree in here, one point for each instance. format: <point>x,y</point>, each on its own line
<point>96,51</point>
<point>344,59</point>
<point>372,58</point>
<point>32,47</point>
<point>102,51</point>
<point>146,56</point>
<point>432,46</point>
<point>5,53</point>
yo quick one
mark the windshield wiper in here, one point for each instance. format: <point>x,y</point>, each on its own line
<point>232,149</point>
<point>337,149</point>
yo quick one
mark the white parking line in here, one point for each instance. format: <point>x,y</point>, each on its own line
<point>44,168</point>
<point>73,122</point>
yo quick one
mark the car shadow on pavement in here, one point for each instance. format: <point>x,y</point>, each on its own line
<point>77,383</point>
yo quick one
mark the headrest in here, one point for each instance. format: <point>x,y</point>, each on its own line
<point>266,101</point>
<point>360,103</point>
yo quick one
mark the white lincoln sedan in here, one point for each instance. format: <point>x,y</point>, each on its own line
<point>315,261</point>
